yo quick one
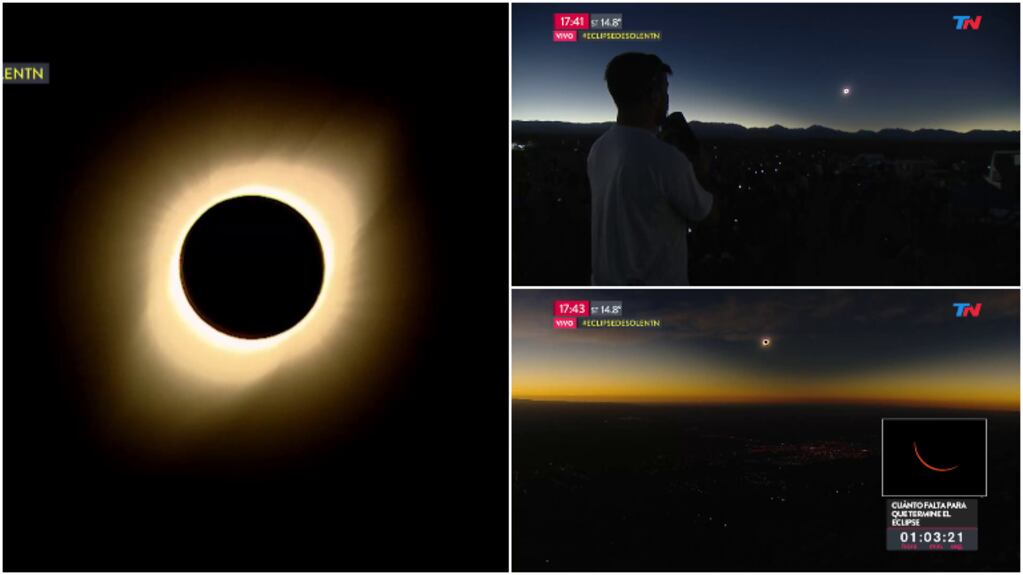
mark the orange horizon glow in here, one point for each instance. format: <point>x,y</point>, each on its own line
<point>767,402</point>
<point>953,386</point>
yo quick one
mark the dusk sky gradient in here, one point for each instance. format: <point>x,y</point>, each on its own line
<point>763,64</point>
<point>889,347</point>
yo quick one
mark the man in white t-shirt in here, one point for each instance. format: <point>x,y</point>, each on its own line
<point>644,191</point>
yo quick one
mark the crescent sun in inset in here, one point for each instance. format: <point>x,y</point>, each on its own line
<point>928,466</point>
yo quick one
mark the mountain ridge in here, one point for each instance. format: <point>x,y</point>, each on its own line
<point>725,130</point>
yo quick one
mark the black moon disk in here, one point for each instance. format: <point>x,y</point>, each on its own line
<point>252,267</point>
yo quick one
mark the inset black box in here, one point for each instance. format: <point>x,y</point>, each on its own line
<point>934,457</point>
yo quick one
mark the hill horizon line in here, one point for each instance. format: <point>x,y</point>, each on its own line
<point>728,129</point>
<point>771,404</point>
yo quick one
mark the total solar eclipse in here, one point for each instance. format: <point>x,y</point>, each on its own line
<point>252,267</point>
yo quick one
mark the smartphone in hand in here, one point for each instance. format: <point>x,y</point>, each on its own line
<point>676,131</point>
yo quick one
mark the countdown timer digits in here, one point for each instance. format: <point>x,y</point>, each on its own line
<point>932,524</point>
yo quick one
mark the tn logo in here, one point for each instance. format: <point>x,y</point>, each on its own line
<point>967,310</point>
<point>966,23</point>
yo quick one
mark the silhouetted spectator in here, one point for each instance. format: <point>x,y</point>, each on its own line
<point>644,191</point>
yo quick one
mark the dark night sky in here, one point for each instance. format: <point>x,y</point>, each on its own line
<point>758,65</point>
<point>898,346</point>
